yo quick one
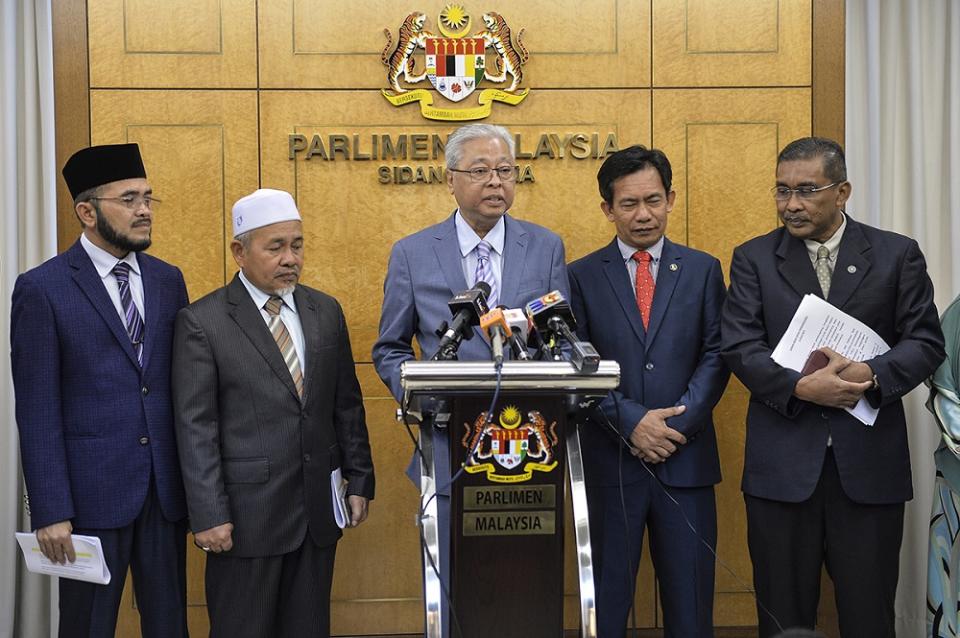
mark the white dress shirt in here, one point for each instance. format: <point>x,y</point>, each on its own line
<point>468,240</point>
<point>104,263</point>
<point>288,315</point>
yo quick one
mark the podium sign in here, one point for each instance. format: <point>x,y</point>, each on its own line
<point>507,546</point>
<point>507,508</point>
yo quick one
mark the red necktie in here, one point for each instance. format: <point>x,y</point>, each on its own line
<point>645,285</point>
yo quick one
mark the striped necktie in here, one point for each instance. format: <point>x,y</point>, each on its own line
<point>284,341</point>
<point>130,313</point>
<point>484,272</point>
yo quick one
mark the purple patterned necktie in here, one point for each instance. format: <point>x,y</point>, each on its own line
<point>484,272</point>
<point>132,316</point>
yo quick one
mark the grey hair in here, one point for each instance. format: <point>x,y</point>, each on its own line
<point>245,238</point>
<point>455,143</point>
<point>807,148</point>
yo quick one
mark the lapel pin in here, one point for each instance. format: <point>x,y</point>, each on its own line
<point>674,267</point>
<point>851,269</point>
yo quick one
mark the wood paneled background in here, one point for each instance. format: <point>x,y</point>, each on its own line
<point>211,89</point>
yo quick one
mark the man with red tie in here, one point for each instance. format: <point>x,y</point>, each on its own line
<point>654,307</point>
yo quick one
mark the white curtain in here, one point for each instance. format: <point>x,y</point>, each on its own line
<point>28,236</point>
<point>903,159</point>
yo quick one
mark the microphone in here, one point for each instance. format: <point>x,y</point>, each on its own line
<point>466,307</point>
<point>519,330</point>
<point>496,326</point>
<point>551,314</point>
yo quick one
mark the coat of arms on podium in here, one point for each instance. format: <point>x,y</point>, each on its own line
<point>509,450</point>
<point>455,63</point>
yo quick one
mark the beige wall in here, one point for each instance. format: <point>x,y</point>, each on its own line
<point>211,89</point>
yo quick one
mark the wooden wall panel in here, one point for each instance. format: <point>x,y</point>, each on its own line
<point>174,43</point>
<point>200,152</point>
<point>305,44</point>
<point>351,220</point>
<point>723,146</point>
<point>701,43</point>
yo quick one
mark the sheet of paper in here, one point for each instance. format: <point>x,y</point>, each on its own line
<point>90,565</point>
<point>817,324</point>
<point>338,493</point>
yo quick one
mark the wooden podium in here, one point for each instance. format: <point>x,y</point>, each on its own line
<point>507,504</point>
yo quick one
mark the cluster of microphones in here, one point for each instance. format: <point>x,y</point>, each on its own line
<point>543,325</point>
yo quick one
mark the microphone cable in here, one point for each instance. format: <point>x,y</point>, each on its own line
<point>418,451</point>
<point>689,524</point>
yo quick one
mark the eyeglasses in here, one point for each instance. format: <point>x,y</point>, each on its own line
<point>133,202</point>
<point>782,193</point>
<point>484,173</point>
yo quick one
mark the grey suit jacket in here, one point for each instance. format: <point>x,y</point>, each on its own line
<point>252,453</point>
<point>425,271</point>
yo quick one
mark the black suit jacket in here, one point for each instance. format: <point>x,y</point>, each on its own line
<point>252,453</point>
<point>881,279</point>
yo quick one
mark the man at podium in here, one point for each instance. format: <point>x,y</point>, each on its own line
<point>479,241</point>
<point>654,307</point>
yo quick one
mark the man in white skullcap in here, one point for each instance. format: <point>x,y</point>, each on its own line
<point>267,407</point>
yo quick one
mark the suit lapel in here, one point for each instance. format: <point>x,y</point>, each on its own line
<point>616,274</point>
<point>795,265</point>
<point>310,324</point>
<point>668,274</point>
<point>852,264</point>
<point>89,281</point>
<point>447,248</point>
<point>514,259</point>
<point>251,322</point>
<point>151,306</point>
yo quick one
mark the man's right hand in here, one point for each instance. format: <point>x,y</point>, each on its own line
<point>654,441</point>
<point>56,543</point>
<point>216,539</point>
<point>825,387</point>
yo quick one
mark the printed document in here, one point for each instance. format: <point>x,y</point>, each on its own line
<point>817,324</point>
<point>90,565</point>
<point>338,489</point>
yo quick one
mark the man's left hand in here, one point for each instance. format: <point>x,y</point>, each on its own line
<point>358,509</point>
<point>857,372</point>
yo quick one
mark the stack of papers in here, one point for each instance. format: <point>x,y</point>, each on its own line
<point>338,489</point>
<point>90,565</point>
<point>817,324</point>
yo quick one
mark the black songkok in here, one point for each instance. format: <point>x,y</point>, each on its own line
<point>98,165</point>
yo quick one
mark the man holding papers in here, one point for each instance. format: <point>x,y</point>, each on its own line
<point>267,407</point>
<point>90,338</point>
<point>819,484</point>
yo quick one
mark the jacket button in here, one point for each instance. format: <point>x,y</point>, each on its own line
<point>306,458</point>
<point>649,366</point>
<point>144,391</point>
<point>144,440</point>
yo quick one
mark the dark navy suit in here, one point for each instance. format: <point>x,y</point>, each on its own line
<point>675,361</point>
<point>96,428</point>
<point>808,503</point>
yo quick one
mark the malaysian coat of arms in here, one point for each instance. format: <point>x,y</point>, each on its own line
<point>510,451</point>
<point>455,63</point>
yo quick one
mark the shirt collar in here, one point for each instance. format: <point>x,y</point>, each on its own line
<point>832,244</point>
<point>627,251</point>
<point>103,261</point>
<point>468,238</point>
<point>260,298</point>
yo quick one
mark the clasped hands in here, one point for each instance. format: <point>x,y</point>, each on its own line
<point>839,384</point>
<point>652,439</point>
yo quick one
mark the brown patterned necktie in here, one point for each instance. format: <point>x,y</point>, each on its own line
<point>284,342</point>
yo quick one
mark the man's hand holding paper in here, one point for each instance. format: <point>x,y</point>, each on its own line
<point>837,384</point>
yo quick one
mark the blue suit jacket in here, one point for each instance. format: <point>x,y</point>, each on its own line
<point>881,279</point>
<point>675,361</point>
<point>425,271</point>
<point>93,424</point>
